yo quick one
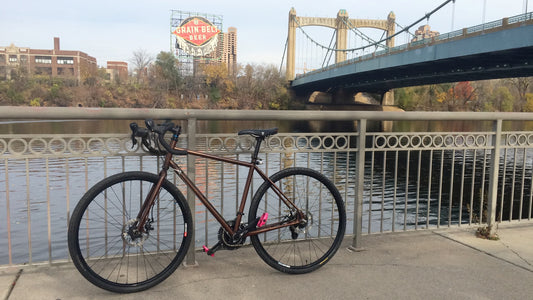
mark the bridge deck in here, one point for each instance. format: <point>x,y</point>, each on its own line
<point>496,53</point>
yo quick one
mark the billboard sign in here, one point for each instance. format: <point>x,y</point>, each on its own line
<point>197,36</point>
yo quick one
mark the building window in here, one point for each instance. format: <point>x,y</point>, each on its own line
<point>13,59</point>
<point>43,59</point>
<point>65,60</point>
<point>43,71</point>
<point>65,71</point>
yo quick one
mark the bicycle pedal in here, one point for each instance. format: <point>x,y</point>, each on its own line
<point>262,220</point>
<point>206,250</point>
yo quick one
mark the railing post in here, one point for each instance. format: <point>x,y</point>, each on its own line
<point>493,180</point>
<point>190,260</point>
<point>359,185</point>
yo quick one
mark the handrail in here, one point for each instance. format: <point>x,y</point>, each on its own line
<point>76,113</point>
<point>335,151</point>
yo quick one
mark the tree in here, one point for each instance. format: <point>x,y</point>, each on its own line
<point>465,93</point>
<point>141,60</point>
<point>503,99</point>
<point>521,85</point>
<point>529,103</point>
<point>262,87</point>
<point>218,80</point>
<point>167,70</point>
<point>458,96</point>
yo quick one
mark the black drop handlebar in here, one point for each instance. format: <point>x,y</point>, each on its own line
<point>156,134</point>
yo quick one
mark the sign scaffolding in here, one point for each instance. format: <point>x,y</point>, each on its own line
<point>194,38</point>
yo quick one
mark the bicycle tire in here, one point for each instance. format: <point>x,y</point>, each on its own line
<point>297,250</point>
<point>104,252</point>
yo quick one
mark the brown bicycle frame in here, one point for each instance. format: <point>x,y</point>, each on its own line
<point>252,167</point>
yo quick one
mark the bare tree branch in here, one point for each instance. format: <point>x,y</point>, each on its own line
<point>141,61</point>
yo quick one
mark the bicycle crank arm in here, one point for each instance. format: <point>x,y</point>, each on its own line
<point>211,252</point>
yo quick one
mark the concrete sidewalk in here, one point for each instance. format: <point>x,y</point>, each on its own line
<point>441,264</point>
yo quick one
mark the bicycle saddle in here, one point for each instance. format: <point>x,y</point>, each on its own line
<point>259,133</point>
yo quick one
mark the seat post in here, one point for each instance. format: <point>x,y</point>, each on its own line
<point>258,140</point>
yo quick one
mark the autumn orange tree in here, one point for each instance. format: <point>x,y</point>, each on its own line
<point>459,96</point>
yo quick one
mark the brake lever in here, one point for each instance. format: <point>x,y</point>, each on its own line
<point>134,127</point>
<point>150,124</point>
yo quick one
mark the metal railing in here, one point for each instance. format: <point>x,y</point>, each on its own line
<point>390,181</point>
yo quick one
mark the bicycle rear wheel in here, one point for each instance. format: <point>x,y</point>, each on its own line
<point>308,246</point>
<point>102,243</point>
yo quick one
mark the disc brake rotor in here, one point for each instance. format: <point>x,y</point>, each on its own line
<point>131,236</point>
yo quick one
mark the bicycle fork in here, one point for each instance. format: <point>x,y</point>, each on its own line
<point>142,216</point>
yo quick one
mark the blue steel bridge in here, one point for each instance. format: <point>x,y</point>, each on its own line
<point>498,49</point>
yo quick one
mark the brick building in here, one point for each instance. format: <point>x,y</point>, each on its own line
<point>424,32</point>
<point>55,62</point>
<point>117,71</point>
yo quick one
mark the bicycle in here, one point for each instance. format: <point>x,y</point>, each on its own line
<point>130,231</point>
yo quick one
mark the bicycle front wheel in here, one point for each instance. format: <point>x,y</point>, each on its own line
<point>106,249</point>
<point>307,246</point>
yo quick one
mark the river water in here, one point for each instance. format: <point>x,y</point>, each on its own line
<point>382,211</point>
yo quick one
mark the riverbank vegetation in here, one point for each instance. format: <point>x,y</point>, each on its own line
<point>158,83</point>
<point>154,83</point>
<point>498,95</point>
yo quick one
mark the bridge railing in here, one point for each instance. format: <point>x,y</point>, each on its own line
<point>413,178</point>
<point>485,26</point>
<point>449,35</point>
<point>462,33</point>
<point>521,18</point>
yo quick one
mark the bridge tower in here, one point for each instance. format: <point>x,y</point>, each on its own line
<point>342,35</point>
<point>341,24</point>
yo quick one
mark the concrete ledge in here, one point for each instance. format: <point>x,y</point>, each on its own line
<point>8,279</point>
<point>441,264</point>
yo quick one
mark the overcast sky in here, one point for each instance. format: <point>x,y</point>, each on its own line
<point>113,29</point>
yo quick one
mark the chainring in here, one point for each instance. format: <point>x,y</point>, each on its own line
<point>229,242</point>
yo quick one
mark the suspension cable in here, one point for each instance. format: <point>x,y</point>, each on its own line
<point>426,16</point>
<point>453,15</point>
<point>407,31</point>
<point>360,33</point>
<point>284,52</point>
<point>328,52</point>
